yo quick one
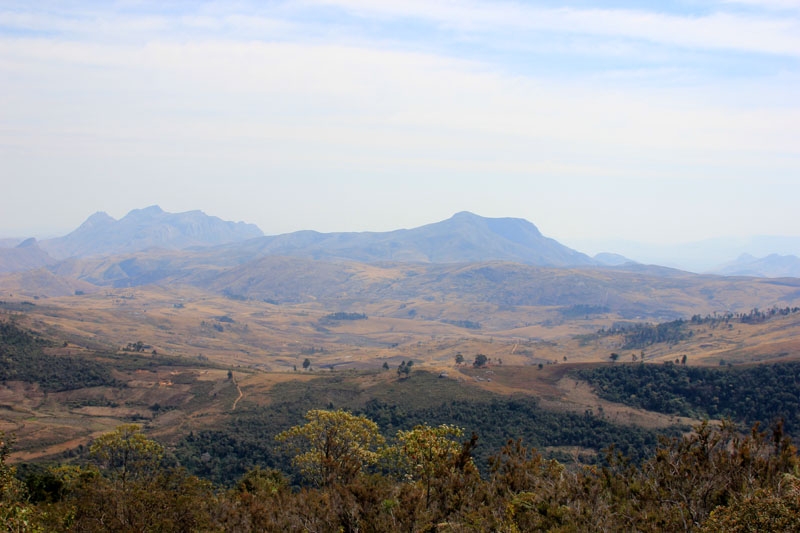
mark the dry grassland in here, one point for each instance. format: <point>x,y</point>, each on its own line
<point>187,322</point>
<point>558,391</point>
<point>265,344</point>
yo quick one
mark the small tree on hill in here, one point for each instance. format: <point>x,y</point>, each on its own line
<point>480,361</point>
<point>405,368</point>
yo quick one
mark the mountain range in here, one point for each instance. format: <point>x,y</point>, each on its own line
<point>463,238</point>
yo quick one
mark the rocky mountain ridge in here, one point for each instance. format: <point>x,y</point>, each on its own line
<point>151,227</point>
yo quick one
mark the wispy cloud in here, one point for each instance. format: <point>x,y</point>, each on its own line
<point>430,95</point>
<point>774,5</point>
<point>719,30</point>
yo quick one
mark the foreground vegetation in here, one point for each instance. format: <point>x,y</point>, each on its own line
<point>424,479</point>
<point>412,453</point>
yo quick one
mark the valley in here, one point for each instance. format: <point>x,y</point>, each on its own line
<point>171,349</point>
<point>196,339</point>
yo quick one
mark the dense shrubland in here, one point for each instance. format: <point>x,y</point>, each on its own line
<point>423,479</point>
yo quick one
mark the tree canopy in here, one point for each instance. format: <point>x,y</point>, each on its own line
<point>333,446</point>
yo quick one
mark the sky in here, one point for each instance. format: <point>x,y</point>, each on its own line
<point>658,122</point>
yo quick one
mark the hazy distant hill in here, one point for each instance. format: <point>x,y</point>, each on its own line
<point>401,289</point>
<point>771,266</point>
<point>25,256</point>
<point>147,228</point>
<point>609,259</point>
<point>463,238</point>
<point>698,256</point>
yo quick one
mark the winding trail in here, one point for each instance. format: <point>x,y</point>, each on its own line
<point>238,388</point>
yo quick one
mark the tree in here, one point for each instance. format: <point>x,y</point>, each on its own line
<point>15,513</point>
<point>614,356</point>
<point>385,365</point>
<point>333,446</point>
<point>480,360</point>
<point>262,482</point>
<point>134,490</point>
<point>126,454</point>
<point>428,452</point>
<point>405,368</point>
<point>459,358</point>
<point>306,363</point>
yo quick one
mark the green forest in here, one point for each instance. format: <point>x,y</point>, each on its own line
<point>22,358</point>
<point>753,394</point>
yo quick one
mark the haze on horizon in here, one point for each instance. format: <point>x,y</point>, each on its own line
<point>593,120</point>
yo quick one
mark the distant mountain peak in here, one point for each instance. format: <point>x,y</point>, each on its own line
<point>611,259</point>
<point>100,218</point>
<point>26,255</point>
<point>506,226</point>
<point>147,228</point>
<point>146,212</point>
<point>28,243</point>
<point>465,215</point>
<point>463,238</point>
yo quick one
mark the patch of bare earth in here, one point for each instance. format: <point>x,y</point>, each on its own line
<point>578,396</point>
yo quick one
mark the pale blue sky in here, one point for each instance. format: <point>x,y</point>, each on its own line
<point>648,121</point>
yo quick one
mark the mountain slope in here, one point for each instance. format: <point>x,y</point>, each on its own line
<point>146,228</point>
<point>464,238</point>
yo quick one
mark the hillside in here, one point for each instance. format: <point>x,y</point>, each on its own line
<point>771,266</point>
<point>26,255</point>
<point>627,291</point>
